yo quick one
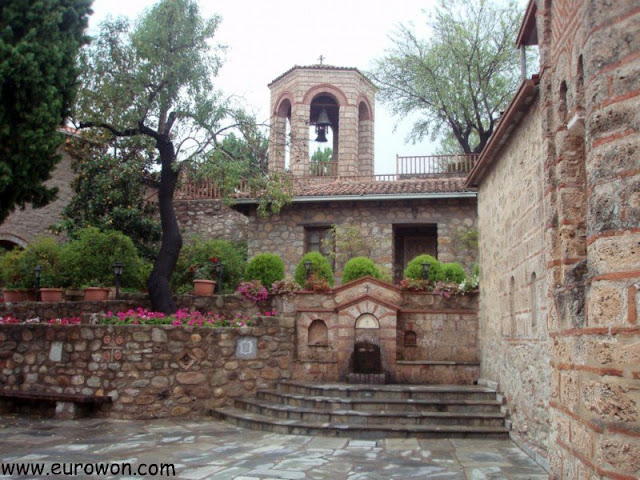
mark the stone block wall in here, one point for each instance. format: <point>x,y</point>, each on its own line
<point>22,226</point>
<point>209,219</point>
<point>514,339</point>
<point>284,233</point>
<point>149,371</point>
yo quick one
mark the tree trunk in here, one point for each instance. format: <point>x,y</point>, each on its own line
<point>158,283</point>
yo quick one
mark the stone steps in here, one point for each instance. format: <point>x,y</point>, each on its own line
<point>371,411</point>
<point>381,417</point>
<point>376,405</point>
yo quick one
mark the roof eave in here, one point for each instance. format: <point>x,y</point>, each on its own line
<point>356,198</point>
<point>528,34</point>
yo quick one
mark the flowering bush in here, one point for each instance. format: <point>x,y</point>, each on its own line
<point>284,288</point>
<point>316,283</point>
<point>416,285</point>
<point>253,290</point>
<point>9,319</point>
<point>204,270</point>
<point>446,289</point>
<point>141,316</point>
<point>65,321</point>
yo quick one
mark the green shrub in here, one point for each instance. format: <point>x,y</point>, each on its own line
<point>359,267</point>
<point>197,251</point>
<point>88,259</point>
<point>320,268</point>
<point>46,252</point>
<point>452,272</point>
<point>12,273</point>
<point>414,268</point>
<point>266,267</point>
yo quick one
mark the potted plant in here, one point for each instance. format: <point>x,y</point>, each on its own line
<point>95,291</point>
<point>203,286</point>
<point>50,286</point>
<point>14,276</point>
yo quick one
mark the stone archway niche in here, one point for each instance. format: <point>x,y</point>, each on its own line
<point>366,360</point>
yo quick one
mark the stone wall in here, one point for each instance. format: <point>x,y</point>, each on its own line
<point>150,372</point>
<point>514,340</point>
<point>591,103</point>
<point>22,226</point>
<point>210,219</point>
<point>222,304</point>
<point>284,233</point>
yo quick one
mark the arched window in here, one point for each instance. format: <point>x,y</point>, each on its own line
<point>366,320</point>
<point>318,334</point>
<point>512,306</point>
<point>410,339</point>
<point>534,301</point>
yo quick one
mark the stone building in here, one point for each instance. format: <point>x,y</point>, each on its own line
<point>422,208</point>
<point>560,260</point>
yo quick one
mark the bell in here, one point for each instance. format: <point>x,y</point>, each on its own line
<point>322,124</point>
<point>323,119</point>
<point>322,137</point>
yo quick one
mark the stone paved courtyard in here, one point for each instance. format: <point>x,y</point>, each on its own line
<point>214,450</point>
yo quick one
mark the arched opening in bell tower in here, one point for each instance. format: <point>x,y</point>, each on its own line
<point>324,119</point>
<point>280,138</point>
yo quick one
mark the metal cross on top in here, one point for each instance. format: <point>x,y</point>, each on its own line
<point>321,58</point>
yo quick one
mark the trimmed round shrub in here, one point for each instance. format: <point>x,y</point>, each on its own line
<point>414,268</point>
<point>197,252</point>
<point>88,259</point>
<point>46,252</point>
<point>452,272</point>
<point>359,267</point>
<point>320,267</point>
<point>266,267</point>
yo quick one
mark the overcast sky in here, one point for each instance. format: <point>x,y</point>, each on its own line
<point>267,37</point>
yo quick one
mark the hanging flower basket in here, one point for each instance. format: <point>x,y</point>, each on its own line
<point>203,288</point>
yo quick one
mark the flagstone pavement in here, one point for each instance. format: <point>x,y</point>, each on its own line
<point>209,449</point>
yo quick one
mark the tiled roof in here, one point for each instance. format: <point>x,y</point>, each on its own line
<point>322,187</point>
<point>318,67</point>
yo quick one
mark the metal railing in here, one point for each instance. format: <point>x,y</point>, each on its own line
<point>435,165</point>
<point>408,168</point>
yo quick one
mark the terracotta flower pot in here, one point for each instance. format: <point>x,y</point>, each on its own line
<point>96,294</point>
<point>51,294</point>
<point>203,288</point>
<point>14,295</point>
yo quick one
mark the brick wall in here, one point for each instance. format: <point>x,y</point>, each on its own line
<point>590,91</point>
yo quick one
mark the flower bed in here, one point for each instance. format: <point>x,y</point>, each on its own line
<point>141,316</point>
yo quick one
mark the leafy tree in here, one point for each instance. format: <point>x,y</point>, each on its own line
<point>320,162</point>
<point>39,41</point>
<point>109,190</point>
<point>461,78</point>
<point>155,80</point>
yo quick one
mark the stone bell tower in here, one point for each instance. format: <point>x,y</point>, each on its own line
<point>300,98</point>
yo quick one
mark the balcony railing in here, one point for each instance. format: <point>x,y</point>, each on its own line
<point>435,165</point>
<point>408,168</point>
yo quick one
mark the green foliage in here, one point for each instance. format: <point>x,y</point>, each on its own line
<point>109,190</point>
<point>359,267</point>
<point>39,41</point>
<point>266,267</point>
<point>17,267</point>
<point>414,268</point>
<point>274,192</point>
<point>198,252</point>
<point>320,162</point>
<point>451,272</point>
<point>12,273</point>
<point>475,272</point>
<point>461,78</point>
<point>345,242</point>
<point>89,258</point>
<point>320,269</point>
